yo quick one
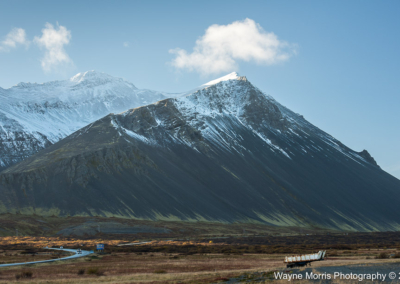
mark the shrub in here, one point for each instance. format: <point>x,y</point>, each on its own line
<point>27,274</point>
<point>221,279</point>
<point>95,271</point>
<point>382,255</point>
<point>333,253</point>
<point>396,255</point>
<point>81,271</point>
<point>24,274</point>
<point>92,270</point>
<point>160,271</point>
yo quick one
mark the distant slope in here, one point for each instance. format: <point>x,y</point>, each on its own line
<point>34,116</point>
<point>226,153</point>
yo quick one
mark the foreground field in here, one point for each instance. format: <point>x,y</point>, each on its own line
<point>178,252</point>
<point>151,267</point>
<point>29,255</point>
<point>132,267</point>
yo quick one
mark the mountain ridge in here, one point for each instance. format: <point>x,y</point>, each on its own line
<point>34,116</point>
<point>226,153</point>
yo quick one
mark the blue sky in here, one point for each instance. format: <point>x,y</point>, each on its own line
<point>339,65</point>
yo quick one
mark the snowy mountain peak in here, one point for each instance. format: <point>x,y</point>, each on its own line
<point>92,76</point>
<point>231,76</point>
<point>22,85</point>
<point>88,79</point>
<point>34,116</point>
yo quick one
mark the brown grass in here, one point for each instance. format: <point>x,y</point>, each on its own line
<point>17,255</point>
<point>166,268</point>
<point>195,260</point>
<point>41,242</point>
<point>139,267</point>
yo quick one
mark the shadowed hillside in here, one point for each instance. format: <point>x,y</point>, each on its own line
<point>225,153</point>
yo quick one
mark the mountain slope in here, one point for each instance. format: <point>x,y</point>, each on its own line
<point>226,152</point>
<point>34,116</point>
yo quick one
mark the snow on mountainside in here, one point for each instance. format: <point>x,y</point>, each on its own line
<point>226,152</point>
<point>33,116</point>
<point>231,76</point>
<point>231,100</point>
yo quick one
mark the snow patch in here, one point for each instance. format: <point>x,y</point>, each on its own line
<point>231,76</point>
<point>265,139</point>
<point>132,134</point>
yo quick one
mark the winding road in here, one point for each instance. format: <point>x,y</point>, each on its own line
<point>76,255</point>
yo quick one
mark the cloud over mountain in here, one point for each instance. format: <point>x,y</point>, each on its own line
<point>53,41</point>
<point>222,46</point>
<point>16,36</point>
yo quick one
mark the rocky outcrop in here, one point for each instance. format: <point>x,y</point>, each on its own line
<point>367,156</point>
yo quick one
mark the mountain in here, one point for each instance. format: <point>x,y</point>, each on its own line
<point>227,152</point>
<point>34,116</point>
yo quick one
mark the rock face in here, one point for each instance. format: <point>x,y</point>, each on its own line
<point>226,152</point>
<point>34,116</point>
<point>367,156</point>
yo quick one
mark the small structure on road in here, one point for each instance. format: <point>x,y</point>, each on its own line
<point>100,247</point>
<point>304,259</point>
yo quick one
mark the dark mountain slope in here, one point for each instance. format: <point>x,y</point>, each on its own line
<point>34,116</point>
<point>225,153</point>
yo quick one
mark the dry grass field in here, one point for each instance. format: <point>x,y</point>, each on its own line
<point>29,255</point>
<point>153,267</point>
<point>41,242</point>
<point>178,252</point>
<point>131,267</point>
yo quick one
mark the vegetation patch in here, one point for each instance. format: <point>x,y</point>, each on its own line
<point>95,271</point>
<point>24,275</point>
<point>382,255</point>
<point>81,271</point>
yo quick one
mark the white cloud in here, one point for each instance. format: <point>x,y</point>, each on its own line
<point>53,41</point>
<point>16,36</point>
<point>126,44</point>
<point>219,49</point>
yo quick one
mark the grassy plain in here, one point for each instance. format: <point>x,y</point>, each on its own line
<point>168,268</point>
<point>176,252</point>
<point>182,261</point>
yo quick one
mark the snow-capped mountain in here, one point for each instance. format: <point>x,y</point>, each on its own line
<point>34,116</point>
<point>232,100</point>
<point>225,152</point>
